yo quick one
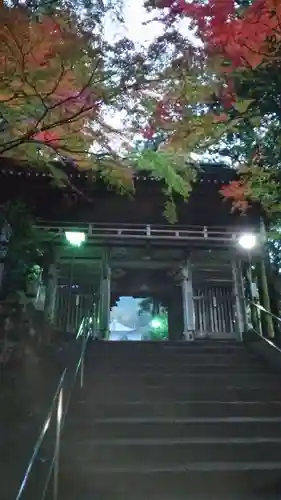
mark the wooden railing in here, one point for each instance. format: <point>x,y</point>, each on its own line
<point>145,232</point>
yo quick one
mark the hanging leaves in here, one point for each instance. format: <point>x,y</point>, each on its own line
<point>236,192</point>
<point>62,83</point>
<point>47,88</point>
<point>245,36</point>
<point>239,57</point>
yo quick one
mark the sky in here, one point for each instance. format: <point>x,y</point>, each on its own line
<point>125,308</point>
<point>134,15</point>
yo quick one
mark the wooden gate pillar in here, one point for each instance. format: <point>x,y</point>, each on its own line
<point>240,309</point>
<point>187,302</point>
<point>105,296</point>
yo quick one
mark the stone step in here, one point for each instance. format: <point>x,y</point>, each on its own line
<point>168,345</point>
<point>171,362</point>
<point>145,369</point>
<point>152,441</point>
<point>219,484</point>
<point>164,357</point>
<point>158,350</point>
<point>165,354</point>
<point>171,379</point>
<point>159,429</point>
<point>85,411</point>
<point>99,393</point>
<point>174,346</point>
<point>189,388</point>
<point>167,456</point>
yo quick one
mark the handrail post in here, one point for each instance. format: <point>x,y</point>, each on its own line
<point>82,367</point>
<point>57,443</point>
<point>84,340</point>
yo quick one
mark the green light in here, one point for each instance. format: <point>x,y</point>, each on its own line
<point>75,238</point>
<point>156,323</point>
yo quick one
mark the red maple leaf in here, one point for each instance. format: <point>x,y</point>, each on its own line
<point>48,137</point>
<point>236,192</point>
<point>223,117</point>
<point>148,132</point>
<point>245,40</point>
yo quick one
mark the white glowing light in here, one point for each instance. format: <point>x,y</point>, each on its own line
<point>248,241</point>
<point>75,238</point>
<point>156,323</point>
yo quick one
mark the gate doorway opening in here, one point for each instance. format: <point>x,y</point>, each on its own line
<point>138,319</point>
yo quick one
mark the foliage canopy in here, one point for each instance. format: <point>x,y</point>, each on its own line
<point>236,112</point>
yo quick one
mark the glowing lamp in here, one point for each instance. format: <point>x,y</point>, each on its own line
<point>75,238</point>
<point>248,241</point>
<point>156,323</point>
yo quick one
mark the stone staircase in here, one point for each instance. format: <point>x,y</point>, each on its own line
<point>174,421</point>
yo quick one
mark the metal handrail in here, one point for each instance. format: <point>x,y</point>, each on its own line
<point>261,308</point>
<point>60,408</point>
<point>42,434</point>
<point>273,316</point>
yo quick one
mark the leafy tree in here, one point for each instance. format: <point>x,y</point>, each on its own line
<point>244,33</point>
<point>241,53</point>
<point>161,333</point>
<point>151,305</point>
<point>159,312</point>
<point>61,84</point>
<point>239,115</point>
<point>59,79</point>
<point>25,249</point>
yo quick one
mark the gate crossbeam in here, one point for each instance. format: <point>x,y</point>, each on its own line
<point>146,232</point>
